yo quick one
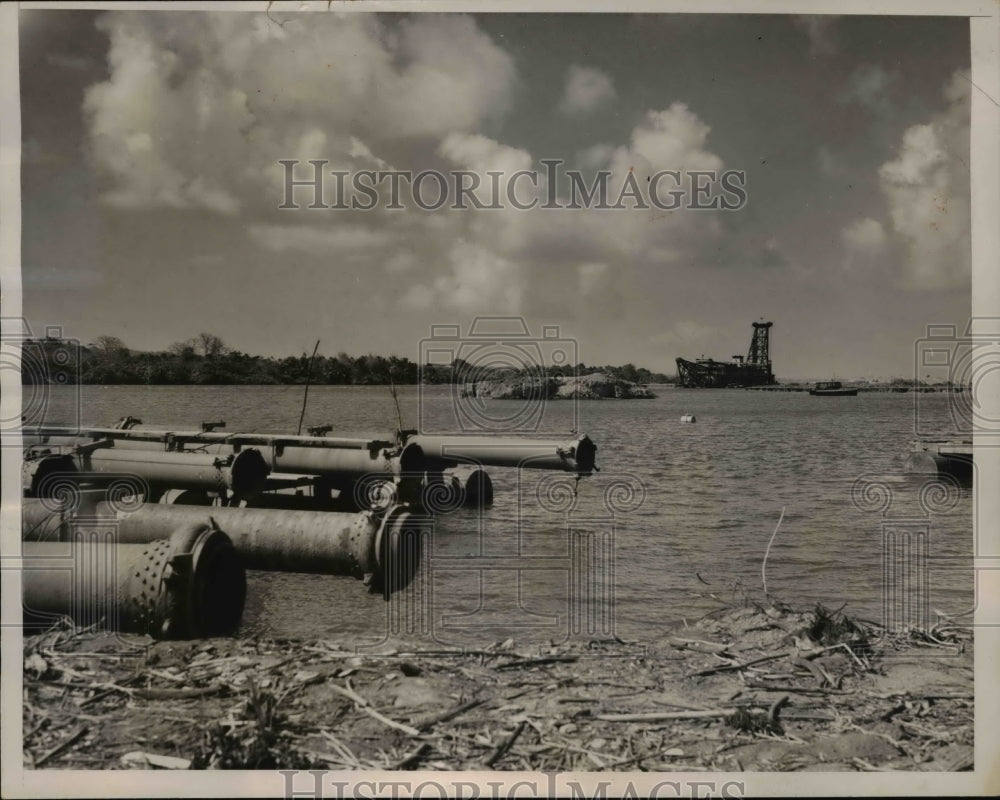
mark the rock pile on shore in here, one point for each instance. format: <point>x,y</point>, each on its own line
<point>595,386</point>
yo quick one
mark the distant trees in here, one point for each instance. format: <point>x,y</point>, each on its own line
<point>206,359</point>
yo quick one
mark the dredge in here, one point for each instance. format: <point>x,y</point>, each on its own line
<point>755,370</point>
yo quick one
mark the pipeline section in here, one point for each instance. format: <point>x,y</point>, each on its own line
<point>380,547</point>
<point>184,583</point>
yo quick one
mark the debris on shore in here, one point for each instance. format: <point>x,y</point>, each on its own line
<point>748,687</point>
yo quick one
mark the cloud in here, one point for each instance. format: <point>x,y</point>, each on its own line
<point>479,282</point>
<point>586,90</point>
<point>864,242</point>
<point>820,30</point>
<point>864,234</point>
<point>868,87</point>
<point>198,109</point>
<point>670,139</point>
<point>926,188</point>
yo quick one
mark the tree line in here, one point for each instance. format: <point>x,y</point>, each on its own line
<point>207,360</point>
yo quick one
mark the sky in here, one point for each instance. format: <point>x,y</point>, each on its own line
<point>151,181</point>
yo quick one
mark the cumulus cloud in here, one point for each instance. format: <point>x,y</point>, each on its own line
<point>864,242</point>
<point>586,90</point>
<point>926,188</point>
<point>198,109</point>
<point>479,282</point>
<point>864,234</point>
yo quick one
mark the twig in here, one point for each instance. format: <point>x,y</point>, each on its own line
<point>698,645</point>
<point>869,767</point>
<point>64,654</point>
<point>177,694</point>
<point>447,715</point>
<point>363,705</point>
<point>505,745</point>
<point>775,709</point>
<point>345,752</point>
<point>166,675</point>
<point>728,667</point>
<point>534,662</point>
<point>821,677</point>
<point>69,741</point>
<point>662,716</point>
<point>796,689</point>
<point>412,759</point>
<point>763,566</point>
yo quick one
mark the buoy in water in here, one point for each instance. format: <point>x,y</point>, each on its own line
<point>688,418</point>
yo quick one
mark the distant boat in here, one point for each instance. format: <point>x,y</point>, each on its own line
<point>832,389</point>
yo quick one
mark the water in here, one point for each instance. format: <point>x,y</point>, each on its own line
<point>702,504</point>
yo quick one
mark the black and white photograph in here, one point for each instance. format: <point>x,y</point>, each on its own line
<point>495,401</point>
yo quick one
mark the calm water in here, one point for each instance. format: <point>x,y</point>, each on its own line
<point>702,503</point>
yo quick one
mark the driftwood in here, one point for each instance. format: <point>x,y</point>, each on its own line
<point>505,745</point>
<point>364,706</point>
<point>66,743</point>
<point>255,704</point>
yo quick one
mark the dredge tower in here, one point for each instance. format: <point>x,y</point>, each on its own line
<point>755,370</point>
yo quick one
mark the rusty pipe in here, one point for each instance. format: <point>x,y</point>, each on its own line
<point>379,546</point>
<point>189,585</point>
<point>464,486</point>
<point>244,473</point>
<point>441,452</point>
<point>48,475</point>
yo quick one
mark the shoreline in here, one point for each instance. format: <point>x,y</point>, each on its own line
<point>747,687</point>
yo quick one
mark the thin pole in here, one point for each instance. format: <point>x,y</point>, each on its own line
<point>305,396</point>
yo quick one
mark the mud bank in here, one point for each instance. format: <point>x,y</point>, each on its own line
<point>754,687</point>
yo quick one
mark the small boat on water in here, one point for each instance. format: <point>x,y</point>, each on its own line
<point>832,389</point>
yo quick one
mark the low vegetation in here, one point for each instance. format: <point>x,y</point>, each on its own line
<point>207,360</point>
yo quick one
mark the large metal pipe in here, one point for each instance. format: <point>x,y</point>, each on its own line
<point>381,547</point>
<point>48,475</point>
<point>342,466</point>
<point>244,473</point>
<point>464,486</point>
<point>440,452</point>
<point>190,584</point>
<point>140,433</point>
<point>343,460</point>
